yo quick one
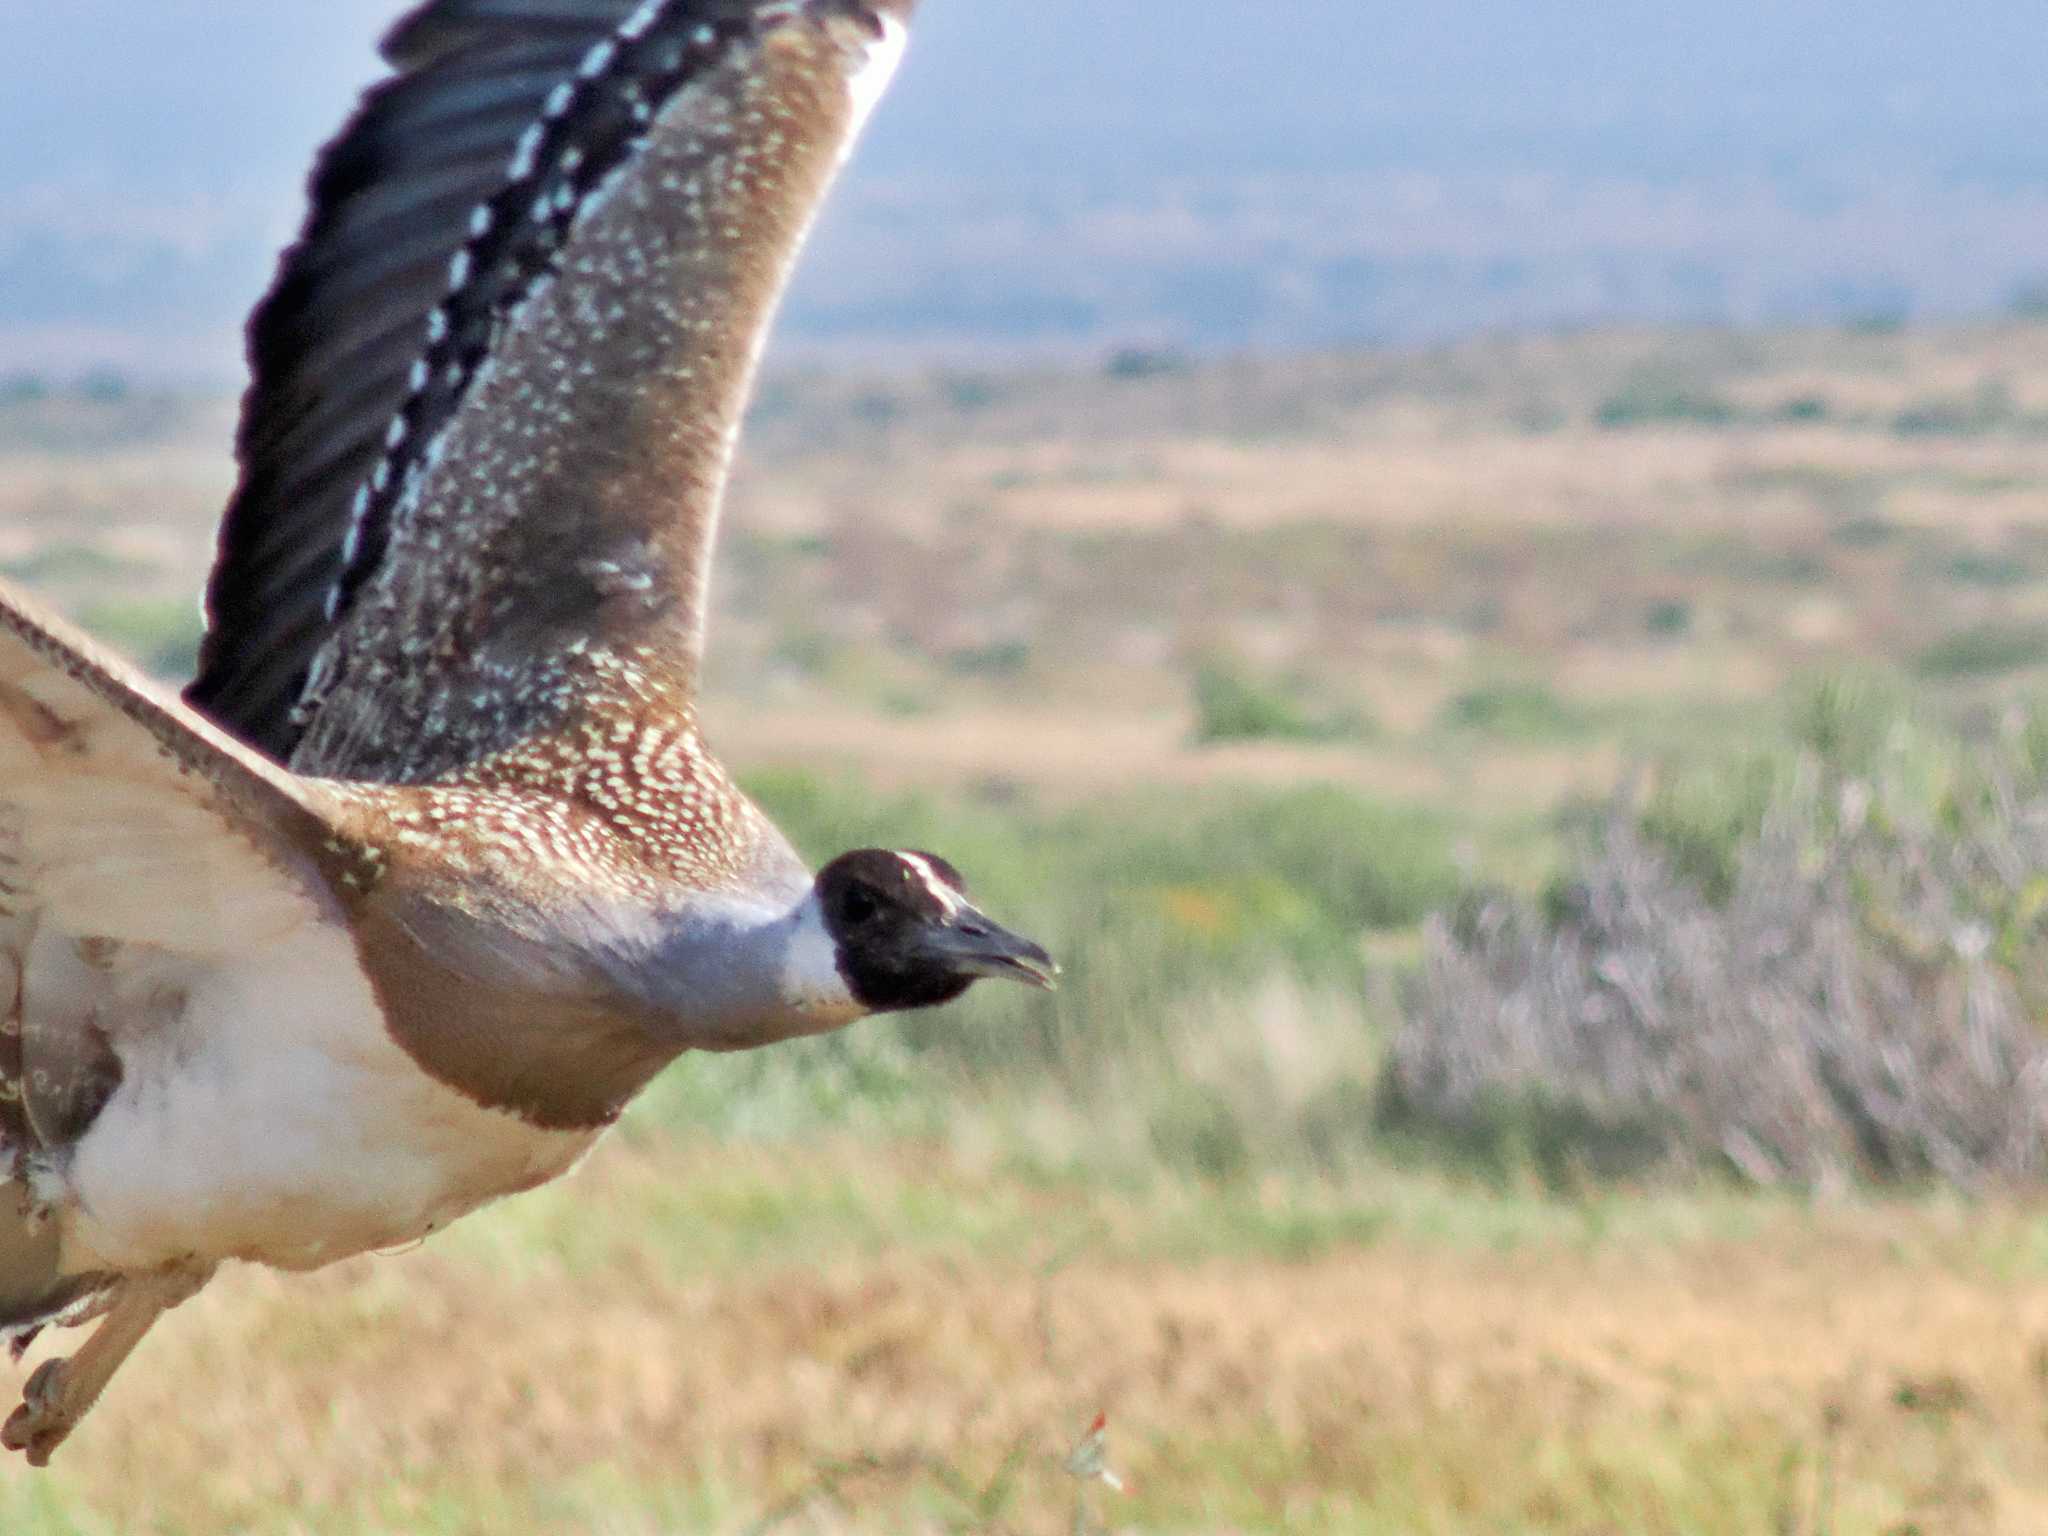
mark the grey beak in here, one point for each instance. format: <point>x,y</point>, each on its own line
<point>974,944</point>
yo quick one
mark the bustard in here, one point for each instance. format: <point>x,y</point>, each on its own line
<point>430,872</point>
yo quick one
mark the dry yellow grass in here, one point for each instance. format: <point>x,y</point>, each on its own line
<point>1700,1368</point>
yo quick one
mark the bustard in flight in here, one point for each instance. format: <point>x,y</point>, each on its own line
<point>430,871</point>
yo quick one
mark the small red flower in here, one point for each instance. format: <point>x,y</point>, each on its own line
<point>1089,1460</point>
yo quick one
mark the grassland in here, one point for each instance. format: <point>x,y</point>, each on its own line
<point>1221,678</point>
<point>833,1337</point>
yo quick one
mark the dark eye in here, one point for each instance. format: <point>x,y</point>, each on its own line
<point>858,904</point>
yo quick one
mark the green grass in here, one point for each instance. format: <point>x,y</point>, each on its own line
<point>1989,649</point>
<point>1518,711</point>
<point>1232,706</point>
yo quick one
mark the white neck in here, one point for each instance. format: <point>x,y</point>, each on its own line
<point>733,974</point>
<point>811,983</point>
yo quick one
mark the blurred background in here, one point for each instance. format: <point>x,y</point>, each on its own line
<point>1479,572</point>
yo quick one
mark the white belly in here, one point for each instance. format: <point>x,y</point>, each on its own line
<point>276,1121</point>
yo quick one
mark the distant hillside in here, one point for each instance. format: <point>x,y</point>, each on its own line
<point>1066,178</point>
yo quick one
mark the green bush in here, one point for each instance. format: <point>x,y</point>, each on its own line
<point>1986,650</point>
<point>1130,363</point>
<point>1518,711</point>
<point>1701,820</point>
<point>2030,300</point>
<point>998,659</point>
<point>1658,403</point>
<point>1669,619</point>
<point>1802,410</point>
<point>1230,706</point>
<point>1974,569</point>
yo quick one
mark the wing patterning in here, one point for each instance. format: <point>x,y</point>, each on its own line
<point>497,382</point>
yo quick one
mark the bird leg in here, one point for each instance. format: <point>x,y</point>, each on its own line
<point>59,1392</point>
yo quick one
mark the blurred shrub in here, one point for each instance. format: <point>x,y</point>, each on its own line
<point>1745,561</point>
<point>970,392</point>
<point>810,652</point>
<point>1867,531</point>
<point>1668,619</point>
<point>1819,969</point>
<point>878,408</point>
<point>1976,569</point>
<point>998,659</point>
<point>1700,821</point>
<point>1986,409</point>
<point>1230,706</point>
<point>1146,363</point>
<point>1519,711</point>
<point>106,386</point>
<point>1801,410</point>
<point>1986,650</point>
<point>1654,402</point>
<point>2030,299</point>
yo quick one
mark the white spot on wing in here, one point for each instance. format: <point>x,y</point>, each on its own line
<point>526,153</point>
<point>637,24</point>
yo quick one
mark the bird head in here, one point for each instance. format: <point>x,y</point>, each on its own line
<point>906,936</point>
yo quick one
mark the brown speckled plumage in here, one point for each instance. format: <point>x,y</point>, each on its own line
<point>289,1013</point>
<point>634,808</point>
<point>549,564</point>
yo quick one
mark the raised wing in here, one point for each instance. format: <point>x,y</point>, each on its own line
<point>135,838</point>
<point>500,378</point>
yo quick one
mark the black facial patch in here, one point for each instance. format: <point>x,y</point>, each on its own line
<point>879,907</point>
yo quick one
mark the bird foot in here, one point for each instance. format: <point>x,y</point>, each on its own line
<point>61,1392</point>
<point>46,1416</point>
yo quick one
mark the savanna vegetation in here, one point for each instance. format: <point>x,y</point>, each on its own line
<point>1546,840</point>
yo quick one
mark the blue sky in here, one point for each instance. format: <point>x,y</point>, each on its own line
<point>211,92</point>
